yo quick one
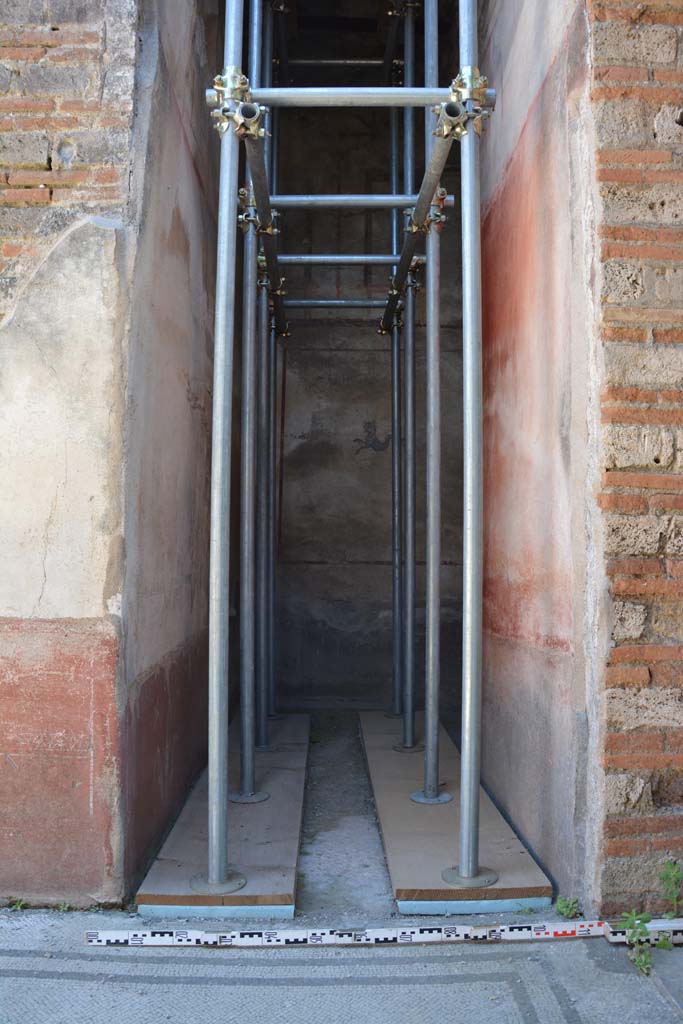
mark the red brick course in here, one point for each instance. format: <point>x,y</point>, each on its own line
<point>57,92</point>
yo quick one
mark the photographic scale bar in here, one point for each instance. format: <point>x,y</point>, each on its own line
<point>259,938</point>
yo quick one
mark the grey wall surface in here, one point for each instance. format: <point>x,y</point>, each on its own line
<point>335,528</point>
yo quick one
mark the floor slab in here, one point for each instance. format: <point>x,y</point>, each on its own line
<point>421,840</point>
<point>264,838</point>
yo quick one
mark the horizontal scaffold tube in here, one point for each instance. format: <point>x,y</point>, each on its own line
<point>333,303</point>
<point>250,116</point>
<point>337,259</point>
<point>336,62</point>
<point>357,202</point>
<point>451,119</point>
<point>351,96</point>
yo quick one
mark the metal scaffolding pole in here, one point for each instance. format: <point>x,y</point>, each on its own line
<point>334,303</point>
<point>341,202</point>
<point>220,877</point>
<point>247,792</point>
<point>335,259</point>
<point>431,792</point>
<point>395,15</point>
<point>350,96</point>
<point>450,119</point>
<point>280,22</point>
<point>469,872</point>
<point>262,538</point>
<point>337,62</point>
<point>396,495</point>
<point>396,525</point>
<point>250,117</point>
<point>408,740</point>
<point>272,522</point>
<point>267,75</point>
<point>272,448</point>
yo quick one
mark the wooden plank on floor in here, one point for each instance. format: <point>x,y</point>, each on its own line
<point>421,840</point>
<point>264,837</point>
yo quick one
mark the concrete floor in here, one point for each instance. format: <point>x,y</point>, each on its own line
<point>48,974</point>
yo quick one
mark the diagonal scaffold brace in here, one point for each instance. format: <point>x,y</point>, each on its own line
<point>230,100</point>
<point>454,117</point>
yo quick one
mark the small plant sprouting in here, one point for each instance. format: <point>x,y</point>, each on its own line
<point>524,910</point>
<point>672,880</point>
<point>63,907</point>
<point>568,906</point>
<point>638,939</point>
<point>17,904</point>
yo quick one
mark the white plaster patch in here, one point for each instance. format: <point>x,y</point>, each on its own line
<point>58,440</point>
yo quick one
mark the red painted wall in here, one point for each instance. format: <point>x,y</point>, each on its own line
<point>532,733</point>
<point>60,764</point>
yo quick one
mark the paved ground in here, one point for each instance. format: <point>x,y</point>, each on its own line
<point>48,974</point>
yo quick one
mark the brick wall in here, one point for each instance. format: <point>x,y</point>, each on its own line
<point>66,101</point>
<point>637,94</point>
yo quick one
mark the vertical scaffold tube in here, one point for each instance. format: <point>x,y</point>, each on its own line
<point>248,519</point>
<point>262,601</point>
<point>247,792</point>
<point>409,508</point>
<point>469,873</point>
<point>396,489</point>
<point>272,521</point>
<point>262,638</point>
<point>218,872</point>
<point>267,75</point>
<point>472,484</point>
<point>272,462</point>
<point>396,525</point>
<point>431,791</point>
<point>409,407</point>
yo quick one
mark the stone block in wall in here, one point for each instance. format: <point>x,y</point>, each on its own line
<point>666,285</point>
<point>92,146</point>
<point>624,43</point>
<point>22,12</point>
<point>674,540</point>
<point>623,124</point>
<point>659,204</point>
<point>666,620</point>
<point>627,793</point>
<point>117,82</point>
<point>74,80</point>
<point>629,620</point>
<point>644,365</point>
<point>637,447</point>
<point>667,130</point>
<point>667,788</point>
<point>633,709</point>
<point>80,11</point>
<point>24,149</point>
<point>621,282</point>
<point>634,876</point>
<point>634,535</point>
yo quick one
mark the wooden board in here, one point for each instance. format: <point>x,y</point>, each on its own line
<point>264,837</point>
<point>421,840</point>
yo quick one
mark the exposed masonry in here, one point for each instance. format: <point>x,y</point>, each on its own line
<point>66,103</point>
<point>637,96</point>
